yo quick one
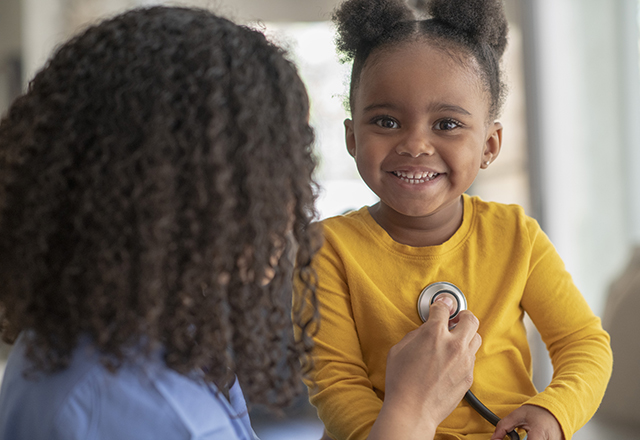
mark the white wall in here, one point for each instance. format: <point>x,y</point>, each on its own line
<point>9,26</point>
<point>630,82</point>
<point>586,153</point>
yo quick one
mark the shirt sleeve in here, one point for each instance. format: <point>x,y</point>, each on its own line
<point>239,405</point>
<point>578,346</point>
<point>339,386</point>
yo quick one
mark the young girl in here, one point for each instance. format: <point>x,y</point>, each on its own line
<point>152,181</point>
<point>424,98</point>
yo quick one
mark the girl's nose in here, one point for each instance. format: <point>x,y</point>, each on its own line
<point>415,145</point>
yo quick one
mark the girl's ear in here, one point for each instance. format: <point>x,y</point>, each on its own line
<point>492,145</point>
<point>350,137</point>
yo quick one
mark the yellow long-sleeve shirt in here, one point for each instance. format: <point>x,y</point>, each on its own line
<point>505,265</point>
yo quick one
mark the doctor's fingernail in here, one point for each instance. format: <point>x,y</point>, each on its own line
<point>445,299</point>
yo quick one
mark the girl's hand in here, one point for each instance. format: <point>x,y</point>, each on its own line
<point>427,374</point>
<point>539,423</point>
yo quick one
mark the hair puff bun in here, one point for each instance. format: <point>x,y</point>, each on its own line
<point>482,20</point>
<point>364,23</point>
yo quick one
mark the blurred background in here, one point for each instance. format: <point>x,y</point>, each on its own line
<point>571,150</point>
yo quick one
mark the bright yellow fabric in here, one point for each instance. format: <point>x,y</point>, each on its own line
<point>505,265</point>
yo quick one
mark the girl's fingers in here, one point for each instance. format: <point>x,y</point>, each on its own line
<point>501,432</point>
<point>538,422</point>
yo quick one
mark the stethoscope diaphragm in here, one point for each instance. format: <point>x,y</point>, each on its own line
<point>432,291</point>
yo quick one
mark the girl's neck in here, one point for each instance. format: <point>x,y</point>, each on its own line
<point>430,230</point>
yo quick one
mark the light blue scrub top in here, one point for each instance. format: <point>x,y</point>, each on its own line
<point>139,401</point>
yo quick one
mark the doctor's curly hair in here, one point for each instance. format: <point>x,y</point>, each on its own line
<point>155,189</point>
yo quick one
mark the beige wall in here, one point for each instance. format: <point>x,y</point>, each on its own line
<point>9,26</point>
<point>277,10</point>
<point>10,44</point>
<point>46,23</point>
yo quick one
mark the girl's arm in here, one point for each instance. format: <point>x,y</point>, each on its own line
<point>339,385</point>
<point>578,346</point>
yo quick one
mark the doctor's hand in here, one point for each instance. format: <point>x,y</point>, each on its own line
<point>428,373</point>
<point>539,423</point>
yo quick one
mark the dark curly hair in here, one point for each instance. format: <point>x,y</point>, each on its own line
<point>472,28</point>
<point>153,179</point>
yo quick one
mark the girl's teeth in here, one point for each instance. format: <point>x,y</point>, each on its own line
<point>415,178</point>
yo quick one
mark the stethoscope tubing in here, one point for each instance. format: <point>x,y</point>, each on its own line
<point>485,412</point>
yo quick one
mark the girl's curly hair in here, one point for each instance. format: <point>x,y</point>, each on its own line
<point>153,179</point>
<point>475,28</point>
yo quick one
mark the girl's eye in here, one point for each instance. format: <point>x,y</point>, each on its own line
<point>386,122</point>
<point>447,124</point>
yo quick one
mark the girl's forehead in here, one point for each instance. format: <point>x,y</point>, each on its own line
<point>421,70</point>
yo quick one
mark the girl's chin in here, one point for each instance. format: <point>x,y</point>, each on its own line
<point>417,209</point>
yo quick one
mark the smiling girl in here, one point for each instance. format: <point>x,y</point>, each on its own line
<point>424,98</point>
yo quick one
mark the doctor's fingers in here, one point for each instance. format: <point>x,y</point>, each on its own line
<point>439,313</point>
<point>436,326</point>
<point>467,327</point>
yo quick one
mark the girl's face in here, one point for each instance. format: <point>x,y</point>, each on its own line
<point>419,133</point>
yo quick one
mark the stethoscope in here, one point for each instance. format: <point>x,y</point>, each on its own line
<point>426,298</point>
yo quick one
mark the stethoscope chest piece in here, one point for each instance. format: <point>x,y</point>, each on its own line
<point>432,291</point>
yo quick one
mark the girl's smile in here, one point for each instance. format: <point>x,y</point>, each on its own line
<point>419,136</point>
<point>416,177</point>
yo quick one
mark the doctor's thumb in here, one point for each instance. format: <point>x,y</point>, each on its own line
<point>448,300</point>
